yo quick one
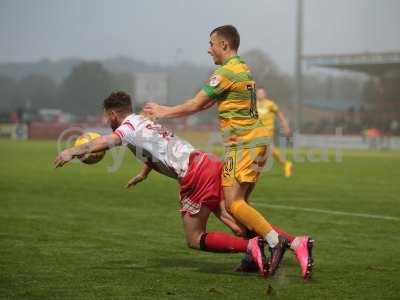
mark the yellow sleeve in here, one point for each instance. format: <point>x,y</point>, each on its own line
<point>274,107</point>
<point>217,84</point>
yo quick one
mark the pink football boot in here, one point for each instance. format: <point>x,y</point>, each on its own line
<point>255,249</point>
<point>302,247</point>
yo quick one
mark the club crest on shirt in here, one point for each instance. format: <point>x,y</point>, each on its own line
<point>215,80</point>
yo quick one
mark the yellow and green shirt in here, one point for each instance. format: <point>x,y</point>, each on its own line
<point>233,87</point>
<point>267,110</point>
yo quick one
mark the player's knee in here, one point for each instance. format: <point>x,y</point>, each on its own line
<point>241,232</point>
<point>193,242</point>
<point>229,207</point>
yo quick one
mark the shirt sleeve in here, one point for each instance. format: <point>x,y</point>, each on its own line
<point>217,84</point>
<point>125,132</point>
<point>274,107</point>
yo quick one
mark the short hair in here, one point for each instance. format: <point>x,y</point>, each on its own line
<point>230,33</point>
<point>119,101</point>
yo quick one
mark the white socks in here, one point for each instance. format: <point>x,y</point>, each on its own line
<point>272,238</point>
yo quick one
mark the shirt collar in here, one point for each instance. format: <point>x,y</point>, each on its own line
<point>230,58</point>
<point>127,117</point>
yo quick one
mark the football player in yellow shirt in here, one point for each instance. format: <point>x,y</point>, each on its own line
<point>246,139</point>
<point>267,112</point>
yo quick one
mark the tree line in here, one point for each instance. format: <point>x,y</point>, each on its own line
<point>81,91</point>
<point>78,93</point>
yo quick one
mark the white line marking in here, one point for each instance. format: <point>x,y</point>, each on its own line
<point>330,212</point>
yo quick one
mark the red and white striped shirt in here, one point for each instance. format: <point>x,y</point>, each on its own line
<point>153,144</point>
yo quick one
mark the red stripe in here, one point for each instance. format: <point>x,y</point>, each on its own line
<point>119,133</point>
<point>129,124</point>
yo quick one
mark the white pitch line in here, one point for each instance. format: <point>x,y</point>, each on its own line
<point>330,212</point>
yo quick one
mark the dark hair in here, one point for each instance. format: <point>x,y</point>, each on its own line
<point>119,101</point>
<point>230,33</point>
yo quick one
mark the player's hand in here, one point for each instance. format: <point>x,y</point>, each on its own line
<point>155,110</point>
<point>63,158</point>
<point>288,133</point>
<point>135,180</point>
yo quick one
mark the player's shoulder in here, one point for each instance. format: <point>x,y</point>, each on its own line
<point>267,105</point>
<point>220,71</point>
<point>132,121</point>
<point>229,72</point>
<point>218,76</point>
<point>129,118</point>
<point>273,106</point>
<point>236,70</point>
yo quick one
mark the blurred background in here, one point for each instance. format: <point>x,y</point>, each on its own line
<point>332,66</point>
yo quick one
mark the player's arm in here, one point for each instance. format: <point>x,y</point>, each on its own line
<point>200,102</point>
<point>139,177</point>
<point>208,105</point>
<point>284,123</point>
<point>100,144</point>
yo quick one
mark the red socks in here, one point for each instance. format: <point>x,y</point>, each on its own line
<point>286,235</point>
<point>222,242</point>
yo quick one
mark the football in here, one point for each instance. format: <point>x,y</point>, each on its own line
<point>90,158</point>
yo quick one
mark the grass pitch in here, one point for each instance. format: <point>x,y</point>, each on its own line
<point>76,233</point>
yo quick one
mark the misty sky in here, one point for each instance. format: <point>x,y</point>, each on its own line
<point>171,31</point>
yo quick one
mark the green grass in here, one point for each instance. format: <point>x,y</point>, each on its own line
<point>76,233</point>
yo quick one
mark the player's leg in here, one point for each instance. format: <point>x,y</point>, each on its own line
<point>235,199</point>
<point>300,245</point>
<point>198,238</point>
<point>276,154</point>
<point>302,248</point>
<point>280,231</point>
<point>286,164</point>
<point>241,170</point>
<point>247,264</point>
<point>194,226</point>
<point>249,191</point>
<point>254,221</point>
<point>226,218</point>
